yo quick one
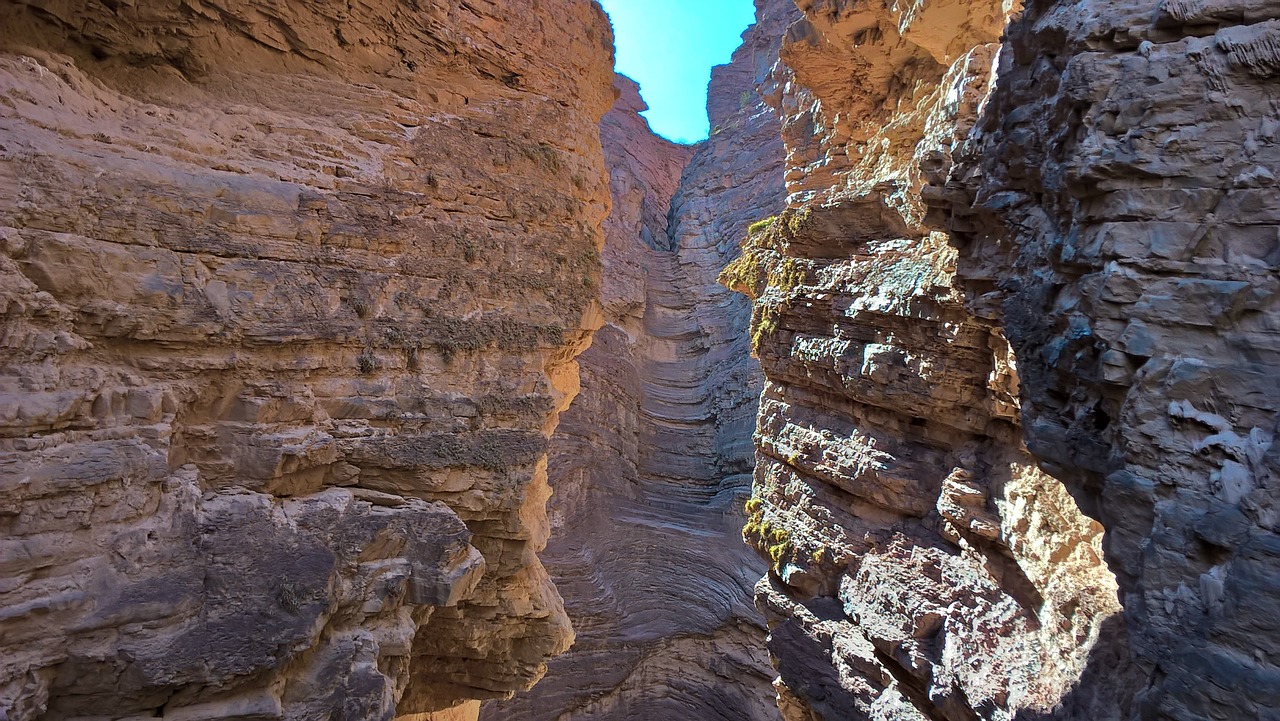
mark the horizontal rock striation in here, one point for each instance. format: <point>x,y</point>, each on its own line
<point>1118,207</point>
<point>290,297</point>
<point>651,461</point>
<point>922,565</point>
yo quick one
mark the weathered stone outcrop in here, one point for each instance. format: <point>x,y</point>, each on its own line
<point>290,296</point>
<point>931,496</point>
<point>1117,206</point>
<point>922,565</point>
<point>651,462</point>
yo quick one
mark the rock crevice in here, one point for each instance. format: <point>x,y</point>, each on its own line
<point>651,463</point>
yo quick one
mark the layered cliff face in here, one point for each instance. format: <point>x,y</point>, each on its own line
<point>651,463</point>
<point>1118,207</point>
<point>922,565</point>
<point>291,296</point>
<point>1108,203</point>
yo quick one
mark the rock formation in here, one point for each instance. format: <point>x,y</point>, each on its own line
<point>651,463</point>
<point>1118,207</point>
<point>922,566</point>
<point>291,293</point>
<point>932,497</point>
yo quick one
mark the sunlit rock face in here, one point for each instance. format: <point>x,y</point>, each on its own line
<point>290,297</point>
<point>1117,206</point>
<point>922,565</point>
<point>651,463</point>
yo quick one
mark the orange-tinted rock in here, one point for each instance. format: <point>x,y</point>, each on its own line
<point>291,295</point>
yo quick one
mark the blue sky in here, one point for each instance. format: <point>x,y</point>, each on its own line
<point>669,46</point>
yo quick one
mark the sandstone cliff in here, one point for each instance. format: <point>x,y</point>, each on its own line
<point>291,295</point>
<point>651,463</point>
<point>932,498</point>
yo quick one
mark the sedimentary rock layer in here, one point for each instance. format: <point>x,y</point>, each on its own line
<point>922,565</point>
<point>290,297</point>
<point>1118,207</point>
<point>650,464</point>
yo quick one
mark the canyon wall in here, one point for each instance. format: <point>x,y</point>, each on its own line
<point>1118,207</point>
<point>651,463</point>
<point>291,297</point>
<point>1096,187</point>
<point>922,565</point>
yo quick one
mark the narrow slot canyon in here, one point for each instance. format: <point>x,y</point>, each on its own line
<point>379,360</point>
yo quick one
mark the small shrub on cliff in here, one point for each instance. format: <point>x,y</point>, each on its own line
<point>755,519</point>
<point>764,273</point>
<point>543,155</point>
<point>361,305</point>
<point>366,361</point>
<point>762,263</point>
<point>470,250</point>
<point>746,274</point>
<point>764,322</point>
<point>292,596</point>
<point>393,335</point>
<point>779,540</point>
<point>773,541</point>
<point>797,220</point>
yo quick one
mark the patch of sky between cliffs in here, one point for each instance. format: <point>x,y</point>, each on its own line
<point>669,47</point>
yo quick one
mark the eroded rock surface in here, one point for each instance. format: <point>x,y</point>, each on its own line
<point>1118,207</point>
<point>291,293</point>
<point>650,464</point>
<point>922,565</point>
<point>931,496</point>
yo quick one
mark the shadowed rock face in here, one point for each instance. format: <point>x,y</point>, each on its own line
<point>290,298</point>
<point>1117,206</point>
<point>650,463</point>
